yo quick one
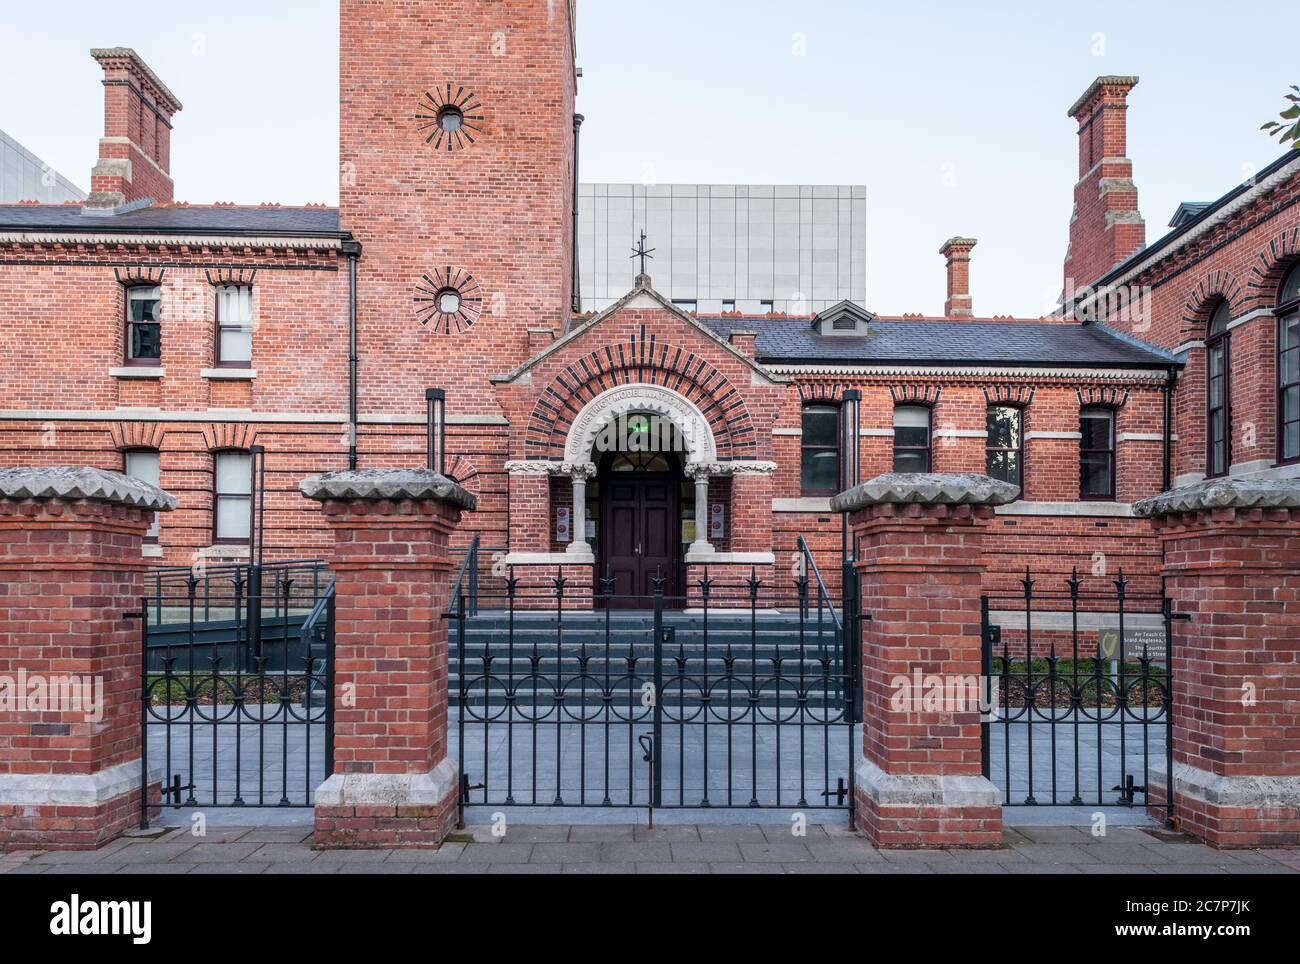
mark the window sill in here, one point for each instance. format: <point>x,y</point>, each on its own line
<point>137,371</point>
<point>229,374</point>
<point>224,551</point>
<point>151,550</point>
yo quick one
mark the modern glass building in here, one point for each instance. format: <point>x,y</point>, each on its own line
<point>722,247</point>
<point>25,177</point>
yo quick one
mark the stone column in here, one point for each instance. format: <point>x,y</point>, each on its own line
<point>920,558</point>
<point>701,542</point>
<point>393,784</point>
<point>580,474</point>
<point>1232,566</point>
<point>71,569</point>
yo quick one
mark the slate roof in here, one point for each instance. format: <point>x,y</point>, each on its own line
<point>900,342</point>
<point>195,220</point>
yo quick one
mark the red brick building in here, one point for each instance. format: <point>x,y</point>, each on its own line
<point>165,339</point>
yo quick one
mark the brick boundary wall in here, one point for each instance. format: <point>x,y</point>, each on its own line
<point>920,559</point>
<point>393,784</point>
<point>1232,566</point>
<point>70,573</point>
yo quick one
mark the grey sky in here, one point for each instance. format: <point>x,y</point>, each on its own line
<point>952,114</point>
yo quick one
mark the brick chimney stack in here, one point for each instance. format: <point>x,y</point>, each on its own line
<point>957,251</point>
<point>1106,227</point>
<point>135,151</point>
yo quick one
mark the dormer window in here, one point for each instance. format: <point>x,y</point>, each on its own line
<point>845,318</point>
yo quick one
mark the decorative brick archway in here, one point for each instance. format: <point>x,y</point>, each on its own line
<point>674,371</point>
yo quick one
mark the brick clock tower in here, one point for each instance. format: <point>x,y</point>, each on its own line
<point>457,142</point>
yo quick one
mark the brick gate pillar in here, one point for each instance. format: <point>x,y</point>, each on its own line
<point>71,569</point>
<point>393,783</point>
<point>920,546</point>
<point>1232,566</point>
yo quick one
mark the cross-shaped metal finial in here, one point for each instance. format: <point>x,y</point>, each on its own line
<point>642,252</point>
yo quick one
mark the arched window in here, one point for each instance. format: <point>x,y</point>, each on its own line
<point>1288,367</point>
<point>1218,393</point>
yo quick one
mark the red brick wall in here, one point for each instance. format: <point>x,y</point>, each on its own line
<point>392,581</point>
<point>69,572</point>
<point>1238,574</point>
<point>1051,545</point>
<point>1241,259</point>
<point>499,209</point>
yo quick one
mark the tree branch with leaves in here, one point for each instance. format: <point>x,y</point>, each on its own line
<point>1287,132</point>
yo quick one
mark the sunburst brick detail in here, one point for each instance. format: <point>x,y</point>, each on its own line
<point>1009,394</point>
<point>1104,395</point>
<point>1215,286</point>
<point>448,300</point>
<point>640,360</point>
<point>136,435</point>
<point>228,436</point>
<point>1272,262</point>
<point>915,394</point>
<point>464,473</point>
<point>449,118</point>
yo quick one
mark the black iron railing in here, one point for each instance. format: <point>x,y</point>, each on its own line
<point>730,696</point>
<point>213,584</point>
<point>1085,690</point>
<point>233,717</point>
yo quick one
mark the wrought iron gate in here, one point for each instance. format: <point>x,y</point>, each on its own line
<point>237,711</point>
<point>1085,691</point>
<point>734,696</point>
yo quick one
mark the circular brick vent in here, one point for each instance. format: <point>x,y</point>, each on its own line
<point>449,118</point>
<point>447,300</point>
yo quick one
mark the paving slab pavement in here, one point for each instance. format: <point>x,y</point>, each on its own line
<point>678,848</point>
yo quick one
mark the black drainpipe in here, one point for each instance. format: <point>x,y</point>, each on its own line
<point>353,250</point>
<point>576,304</point>
<point>1171,379</point>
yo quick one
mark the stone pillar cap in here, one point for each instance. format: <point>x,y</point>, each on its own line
<point>935,488</point>
<point>1244,493</point>
<point>380,484</point>
<point>71,482</point>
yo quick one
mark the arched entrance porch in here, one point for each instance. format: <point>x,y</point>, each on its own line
<point>640,514</point>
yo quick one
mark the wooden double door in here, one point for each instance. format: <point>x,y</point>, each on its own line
<point>640,535</point>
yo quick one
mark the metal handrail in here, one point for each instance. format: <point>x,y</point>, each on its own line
<point>470,564</point>
<point>811,564</point>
